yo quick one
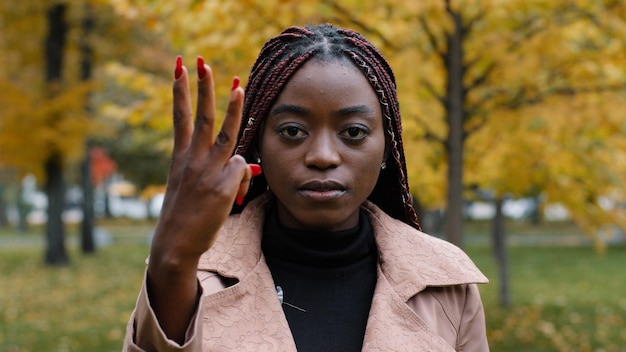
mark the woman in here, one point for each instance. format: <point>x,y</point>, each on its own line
<point>322,251</point>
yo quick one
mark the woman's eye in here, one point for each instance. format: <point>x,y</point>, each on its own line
<point>292,132</point>
<point>355,132</point>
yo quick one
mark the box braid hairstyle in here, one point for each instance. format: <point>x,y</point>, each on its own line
<point>281,57</point>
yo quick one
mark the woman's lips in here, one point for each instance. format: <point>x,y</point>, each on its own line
<point>322,190</point>
<point>322,195</point>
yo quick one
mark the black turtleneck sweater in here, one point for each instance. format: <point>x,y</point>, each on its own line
<point>327,279</point>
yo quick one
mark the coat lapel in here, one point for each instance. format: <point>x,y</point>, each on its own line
<point>249,317</point>
<point>393,326</point>
<point>246,316</point>
<point>410,261</point>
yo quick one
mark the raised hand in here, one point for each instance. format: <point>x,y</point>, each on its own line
<point>203,182</point>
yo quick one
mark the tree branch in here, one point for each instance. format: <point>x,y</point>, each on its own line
<point>429,87</point>
<point>428,133</point>
<point>558,17</point>
<point>361,25</point>
<point>449,8</point>
<point>481,78</point>
<point>467,28</point>
<point>570,91</point>
<point>471,110</point>
<point>476,127</point>
<point>432,39</point>
<point>529,33</point>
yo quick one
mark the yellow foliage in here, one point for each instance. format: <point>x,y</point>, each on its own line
<point>545,118</point>
<point>38,118</point>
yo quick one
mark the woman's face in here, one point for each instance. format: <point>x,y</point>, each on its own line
<point>322,146</point>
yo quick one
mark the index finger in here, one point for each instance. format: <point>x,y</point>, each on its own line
<point>181,108</point>
<point>205,112</point>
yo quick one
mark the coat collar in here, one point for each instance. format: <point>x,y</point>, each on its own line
<point>413,260</point>
<point>410,259</point>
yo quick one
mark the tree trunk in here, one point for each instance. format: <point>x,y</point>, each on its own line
<point>55,230</point>
<point>87,233</point>
<point>500,252</point>
<point>55,186</point>
<point>535,216</point>
<point>4,220</point>
<point>455,97</point>
<point>22,211</point>
<point>431,221</point>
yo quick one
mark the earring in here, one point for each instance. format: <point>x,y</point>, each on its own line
<point>383,165</point>
<point>258,159</point>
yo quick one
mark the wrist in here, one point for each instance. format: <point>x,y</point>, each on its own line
<point>177,242</point>
<point>171,261</point>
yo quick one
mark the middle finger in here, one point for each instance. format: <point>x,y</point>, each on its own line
<point>205,111</point>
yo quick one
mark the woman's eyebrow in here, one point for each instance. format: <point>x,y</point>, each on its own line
<point>288,108</point>
<point>298,110</point>
<point>356,109</point>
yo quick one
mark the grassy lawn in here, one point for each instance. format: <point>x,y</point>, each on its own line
<point>82,307</point>
<point>564,298</point>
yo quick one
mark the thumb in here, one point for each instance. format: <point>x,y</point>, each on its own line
<point>252,171</point>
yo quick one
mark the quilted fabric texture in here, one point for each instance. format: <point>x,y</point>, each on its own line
<point>425,297</point>
<point>249,314</point>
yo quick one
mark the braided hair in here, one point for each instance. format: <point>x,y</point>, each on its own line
<point>281,57</point>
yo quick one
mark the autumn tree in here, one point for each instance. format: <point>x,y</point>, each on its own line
<point>54,186</point>
<point>536,95</point>
<point>44,123</point>
<point>86,49</point>
<point>462,66</point>
<point>35,104</point>
<point>6,179</point>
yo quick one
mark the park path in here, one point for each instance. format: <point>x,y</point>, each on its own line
<point>104,238</point>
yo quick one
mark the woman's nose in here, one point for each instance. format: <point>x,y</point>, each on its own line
<point>322,153</point>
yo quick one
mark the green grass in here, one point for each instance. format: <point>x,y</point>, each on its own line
<point>81,307</point>
<point>563,298</point>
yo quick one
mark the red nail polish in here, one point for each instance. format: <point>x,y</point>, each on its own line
<point>255,169</point>
<point>201,68</point>
<point>235,83</point>
<point>239,200</point>
<point>179,67</point>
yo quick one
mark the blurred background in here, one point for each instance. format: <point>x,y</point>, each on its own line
<point>514,117</point>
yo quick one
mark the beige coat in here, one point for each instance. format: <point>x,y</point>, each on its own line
<point>426,298</point>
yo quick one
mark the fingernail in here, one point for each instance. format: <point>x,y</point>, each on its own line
<point>235,83</point>
<point>179,67</point>
<point>201,68</point>
<point>255,169</point>
<point>239,200</point>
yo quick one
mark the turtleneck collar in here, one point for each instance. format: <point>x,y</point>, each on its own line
<point>321,249</point>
